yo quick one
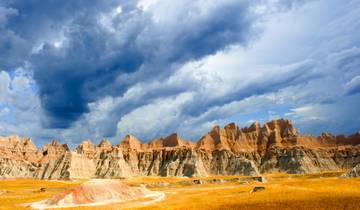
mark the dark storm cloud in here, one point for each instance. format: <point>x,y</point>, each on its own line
<point>12,47</point>
<point>85,67</point>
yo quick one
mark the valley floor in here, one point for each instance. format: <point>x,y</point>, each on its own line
<point>282,191</point>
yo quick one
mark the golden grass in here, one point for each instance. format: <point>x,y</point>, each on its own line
<point>320,191</point>
<point>22,191</point>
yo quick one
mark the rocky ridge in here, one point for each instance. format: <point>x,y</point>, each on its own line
<point>274,147</point>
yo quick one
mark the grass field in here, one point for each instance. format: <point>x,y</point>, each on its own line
<point>282,191</point>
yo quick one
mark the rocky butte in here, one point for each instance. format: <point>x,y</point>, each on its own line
<point>274,147</point>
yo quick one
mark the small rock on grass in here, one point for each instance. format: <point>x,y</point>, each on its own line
<point>257,189</point>
<point>197,181</point>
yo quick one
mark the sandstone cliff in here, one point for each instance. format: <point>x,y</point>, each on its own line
<point>274,147</point>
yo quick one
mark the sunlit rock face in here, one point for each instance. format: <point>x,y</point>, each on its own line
<point>19,157</point>
<point>274,147</point>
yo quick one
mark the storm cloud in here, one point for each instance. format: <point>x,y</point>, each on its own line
<point>82,51</point>
<point>100,69</point>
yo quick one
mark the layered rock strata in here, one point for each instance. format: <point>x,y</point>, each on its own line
<point>274,147</point>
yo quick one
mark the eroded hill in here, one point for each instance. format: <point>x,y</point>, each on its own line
<point>274,147</point>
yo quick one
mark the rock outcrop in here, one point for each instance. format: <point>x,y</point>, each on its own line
<point>95,192</point>
<point>274,147</point>
<point>19,157</point>
<point>355,172</point>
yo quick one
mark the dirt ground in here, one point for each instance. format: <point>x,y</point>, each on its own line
<point>282,191</point>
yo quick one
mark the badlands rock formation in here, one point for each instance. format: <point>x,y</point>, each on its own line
<point>97,192</point>
<point>274,147</point>
<point>355,172</point>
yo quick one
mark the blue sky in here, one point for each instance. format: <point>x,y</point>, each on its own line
<point>80,69</point>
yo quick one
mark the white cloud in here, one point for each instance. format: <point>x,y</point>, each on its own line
<point>303,110</point>
<point>155,119</point>
<point>20,112</point>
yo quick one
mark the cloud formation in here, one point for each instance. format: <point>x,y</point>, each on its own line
<point>95,69</point>
<point>89,50</point>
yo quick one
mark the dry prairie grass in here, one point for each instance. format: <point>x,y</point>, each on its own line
<point>22,191</point>
<point>320,191</point>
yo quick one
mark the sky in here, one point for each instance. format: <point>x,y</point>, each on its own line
<point>86,69</point>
